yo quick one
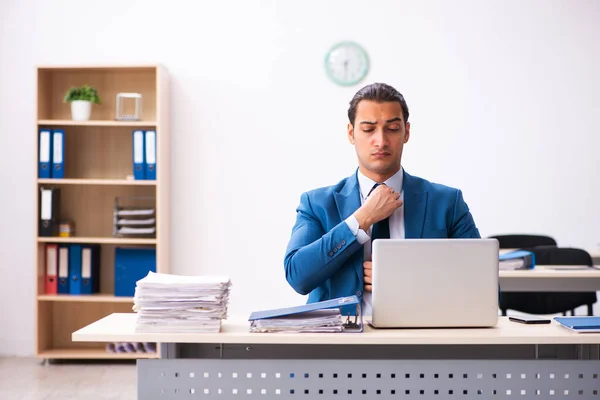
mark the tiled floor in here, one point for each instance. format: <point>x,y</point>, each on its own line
<point>27,379</point>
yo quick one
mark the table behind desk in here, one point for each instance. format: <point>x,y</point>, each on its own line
<point>506,361</point>
<point>553,278</point>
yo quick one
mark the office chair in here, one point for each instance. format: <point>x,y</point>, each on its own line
<point>520,241</point>
<point>551,302</point>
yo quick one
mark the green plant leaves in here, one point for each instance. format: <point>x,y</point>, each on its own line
<point>86,93</point>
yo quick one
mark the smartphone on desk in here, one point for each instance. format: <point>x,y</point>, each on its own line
<point>529,320</point>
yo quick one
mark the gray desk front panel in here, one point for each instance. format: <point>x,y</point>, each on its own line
<point>367,379</point>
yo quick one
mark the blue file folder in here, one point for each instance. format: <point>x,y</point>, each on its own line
<point>90,269</point>
<point>280,312</point>
<point>75,269</point>
<point>150,143</point>
<point>131,265</point>
<point>580,324</point>
<point>45,153</point>
<point>64,276</point>
<point>341,302</point>
<point>58,154</point>
<point>139,162</point>
<point>521,259</point>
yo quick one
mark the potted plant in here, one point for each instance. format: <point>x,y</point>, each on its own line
<point>81,100</point>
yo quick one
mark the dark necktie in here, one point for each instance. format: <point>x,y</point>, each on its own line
<point>381,229</point>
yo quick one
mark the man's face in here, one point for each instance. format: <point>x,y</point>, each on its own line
<point>378,135</point>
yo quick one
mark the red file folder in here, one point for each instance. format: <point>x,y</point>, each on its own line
<point>51,268</point>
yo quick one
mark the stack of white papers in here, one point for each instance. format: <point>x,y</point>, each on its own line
<point>310,321</point>
<point>176,303</point>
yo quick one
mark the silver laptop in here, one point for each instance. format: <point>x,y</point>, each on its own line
<point>435,283</point>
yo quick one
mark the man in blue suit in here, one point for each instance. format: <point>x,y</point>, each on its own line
<point>329,252</point>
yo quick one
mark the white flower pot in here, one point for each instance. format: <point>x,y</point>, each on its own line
<point>81,110</point>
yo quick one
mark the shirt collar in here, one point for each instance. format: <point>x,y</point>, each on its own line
<point>395,182</point>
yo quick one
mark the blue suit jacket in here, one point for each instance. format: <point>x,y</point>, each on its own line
<point>324,259</point>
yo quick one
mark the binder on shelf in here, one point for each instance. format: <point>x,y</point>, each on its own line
<point>49,210</point>
<point>58,154</point>
<point>325,316</point>
<point>580,324</point>
<point>139,163</point>
<point>131,265</point>
<point>63,269</point>
<point>51,268</point>
<point>150,143</point>
<point>45,152</point>
<point>90,269</point>
<point>518,259</point>
<point>75,269</point>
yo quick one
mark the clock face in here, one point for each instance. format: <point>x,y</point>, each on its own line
<point>346,63</point>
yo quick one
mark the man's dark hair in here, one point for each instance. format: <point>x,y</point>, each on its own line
<point>379,92</point>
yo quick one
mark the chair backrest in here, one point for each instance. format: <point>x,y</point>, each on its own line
<point>521,241</point>
<point>551,255</point>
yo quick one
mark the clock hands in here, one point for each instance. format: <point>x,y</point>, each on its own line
<point>346,69</point>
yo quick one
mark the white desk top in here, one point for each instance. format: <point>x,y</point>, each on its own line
<point>121,328</point>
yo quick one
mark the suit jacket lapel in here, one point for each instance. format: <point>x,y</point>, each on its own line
<point>347,201</point>
<point>415,203</point>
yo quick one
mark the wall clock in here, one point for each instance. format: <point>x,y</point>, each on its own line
<point>346,63</point>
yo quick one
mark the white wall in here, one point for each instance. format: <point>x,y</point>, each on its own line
<point>503,98</point>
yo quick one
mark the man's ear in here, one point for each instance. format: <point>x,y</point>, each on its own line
<point>350,133</point>
<point>407,135</point>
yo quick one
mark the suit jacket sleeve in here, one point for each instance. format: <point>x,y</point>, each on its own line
<point>463,225</point>
<point>314,255</point>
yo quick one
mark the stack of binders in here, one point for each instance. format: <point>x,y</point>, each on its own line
<point>181,304</point>
<point>72,269</point>
<point>320,317</point>
<point>144,155</point>
<point>51,162</point>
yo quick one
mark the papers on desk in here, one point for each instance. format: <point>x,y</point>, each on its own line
<point>175,303</point>
<point>324,316</point>
<point>519,259</point>
<point>580,324</point>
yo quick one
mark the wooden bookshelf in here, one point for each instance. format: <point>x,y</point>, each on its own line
<point>96,240</point>
<point>67,122</point>
<point>98,168</point>
<point>113,182</point>
<point>93,298</point>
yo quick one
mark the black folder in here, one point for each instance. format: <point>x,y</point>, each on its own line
<point>49,211</point>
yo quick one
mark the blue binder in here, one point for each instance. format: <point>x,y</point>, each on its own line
<point>340,302</point>
<point>526,259</point>
<point>75,269</point>
<point>150,143</point>
<point>90,269</point>
<point>139,162</point>
<point>64,276</point>
<point>58,154</point>
<point>580,324</point>
<point>131,265</point>
<point>45,153</point>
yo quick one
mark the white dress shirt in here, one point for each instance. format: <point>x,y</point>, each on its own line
<point>396,222</point>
